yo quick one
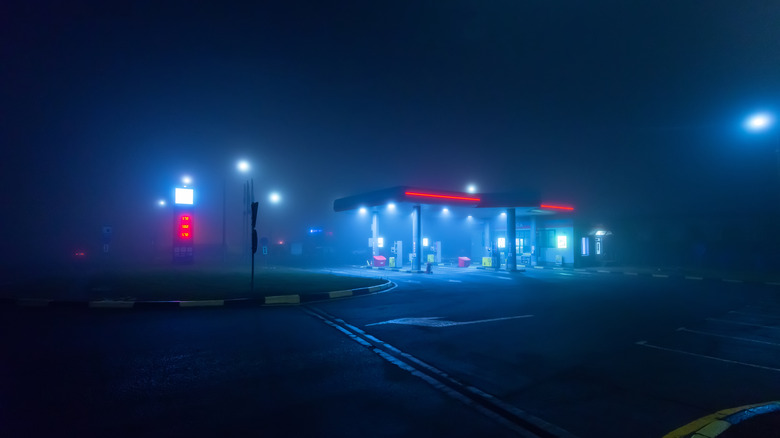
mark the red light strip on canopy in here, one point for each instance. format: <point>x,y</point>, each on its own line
<point>431,195</point>
<point>557,207</point>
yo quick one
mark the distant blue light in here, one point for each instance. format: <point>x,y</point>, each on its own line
<point>315,230</point>
<point>759,122</point>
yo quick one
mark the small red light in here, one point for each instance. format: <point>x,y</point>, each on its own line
<point>431,195</point>
<point>557,207</point>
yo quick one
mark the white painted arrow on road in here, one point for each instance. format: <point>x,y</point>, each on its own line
<point>436,321</point>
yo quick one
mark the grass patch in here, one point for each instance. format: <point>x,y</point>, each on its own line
<point>187,283</point>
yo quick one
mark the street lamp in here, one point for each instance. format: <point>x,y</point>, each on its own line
<point>274,197</point>
<point>763,122</point>
<point>759,122</point>
<point>242,166</point>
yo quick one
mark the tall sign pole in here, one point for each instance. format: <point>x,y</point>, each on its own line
<point>254,245</point>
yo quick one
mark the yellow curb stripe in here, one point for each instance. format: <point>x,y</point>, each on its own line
<point>111,304</point>
<point>340,294</point>
<point>697,425</point>
<point>202,303</point>
<point>283,299</point>
<point>376,288</point>
<point>712,430</point>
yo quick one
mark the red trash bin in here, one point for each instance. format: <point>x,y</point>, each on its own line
<point>464,262</point>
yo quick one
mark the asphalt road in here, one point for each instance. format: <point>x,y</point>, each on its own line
<point>459,353</point>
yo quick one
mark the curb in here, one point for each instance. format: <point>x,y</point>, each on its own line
<point>660,274</point>
<point>715,424</point>
<point>274,300</point>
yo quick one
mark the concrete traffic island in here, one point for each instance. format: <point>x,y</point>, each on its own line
<point>187,287</point>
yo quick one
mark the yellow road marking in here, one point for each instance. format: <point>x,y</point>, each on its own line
<point>340,294</point>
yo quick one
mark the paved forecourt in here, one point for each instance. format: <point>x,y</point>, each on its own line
<point>595,353</point>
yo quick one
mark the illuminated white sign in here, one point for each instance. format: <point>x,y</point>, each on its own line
<point>380,242</point>
<point>561,241</point>
<point>502,242</point>
<point>425,241</point>
<point>184,196</point>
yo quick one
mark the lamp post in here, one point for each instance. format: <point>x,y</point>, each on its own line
<point>763,122</point>
<point>243,167</point>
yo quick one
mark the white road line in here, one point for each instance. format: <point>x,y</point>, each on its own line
<point>411,281</point>
<point>455,281</point>
<point>645,344</point>
<point>436,321</point>
<point>698,332</point>
<point>744,323</point>
<point>565,273</point>
<point>504,278</point>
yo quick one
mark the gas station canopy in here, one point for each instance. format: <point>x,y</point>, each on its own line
<point>529,202</point>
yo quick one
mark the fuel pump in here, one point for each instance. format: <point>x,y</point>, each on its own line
<point>397,251</point>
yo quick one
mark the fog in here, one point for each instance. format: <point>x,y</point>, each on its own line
<point>633,114</point>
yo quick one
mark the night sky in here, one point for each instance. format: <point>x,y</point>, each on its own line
<point>614,107</point>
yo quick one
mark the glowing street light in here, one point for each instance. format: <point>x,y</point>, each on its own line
<point>363,210</point>
<point>471,188</point>
<point>762,122</point>
<point>161,202</point>
<point>242,166</point>
<point>759,122</point>
<point>186,180</point>
<point>274,197</point>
